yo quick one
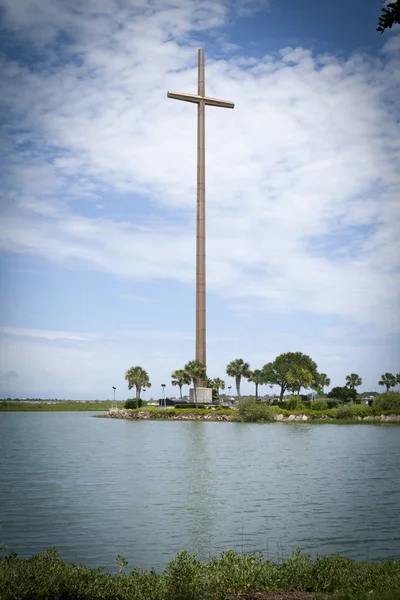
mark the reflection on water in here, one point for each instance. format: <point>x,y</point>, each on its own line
<point>96,488</point>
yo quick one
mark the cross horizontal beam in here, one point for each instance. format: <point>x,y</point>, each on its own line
<point>197,99</point>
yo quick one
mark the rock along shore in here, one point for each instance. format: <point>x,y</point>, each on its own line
<point>126,413</point>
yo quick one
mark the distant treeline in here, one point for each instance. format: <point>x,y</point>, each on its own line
<point>56,405</point>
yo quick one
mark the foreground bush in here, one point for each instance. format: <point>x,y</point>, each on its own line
<point>388,401</point>
<point>344,412</point>
<point>319,405</point>
<point>135,403</point>
<point>47,577</point>
<point>251,411</point>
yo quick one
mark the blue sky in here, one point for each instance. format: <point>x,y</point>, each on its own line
<point>98,190</point>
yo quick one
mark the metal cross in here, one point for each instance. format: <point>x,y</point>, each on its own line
<point>201,100</point>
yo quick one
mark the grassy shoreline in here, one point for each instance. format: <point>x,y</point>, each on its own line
<point>230,576</point>
<point>227,415</point>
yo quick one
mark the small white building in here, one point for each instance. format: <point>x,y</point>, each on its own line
<point>368,400</point>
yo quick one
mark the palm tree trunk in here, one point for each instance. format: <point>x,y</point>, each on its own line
<point>180,391</point>
<point>256,392</point>
<point>238,387</point>
<point>281,394</point>
<point>387,387</point>
<point>195,392</point>
<point>137,392</point>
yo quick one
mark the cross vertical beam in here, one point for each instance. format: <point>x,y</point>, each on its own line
<point>201,100</point>
<point>201,219</point>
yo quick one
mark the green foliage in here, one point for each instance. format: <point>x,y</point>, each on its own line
<point>222,408</point>
<point>135,403</point>
<point>213,384</point>
<point>258,378</point>
<point>333,402</point>
<point>344,394</point>
<point>196,371</point>
<point>293,403</point>
<point>353,380</point>
<point>390,15</point>
<point>344,412</point>
<point>237,369</point>
<point>389,380</point>
<point>216,385</point>
<point>299,377</point>
<point>137,377</point>
<point>180,377</point>
<point>291,370</point>
<point>321,381</point>
<point>188,405</point>
<point>388,401</point>
<point>319,404</point>
<point>47,577</point>
<point>251,411</point>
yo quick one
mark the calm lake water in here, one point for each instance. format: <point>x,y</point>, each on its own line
<point>96,488</point>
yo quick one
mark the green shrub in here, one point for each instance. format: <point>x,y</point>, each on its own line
<point>131,403</point>
<point>251,411</point>
<point>292,403</point>
<point>192,406</point>
<point>232,575</point>
<point>388,401</point>
<point>344,412</point>
<point>333,402</point>
<point>344,394</point>
<point>319,405</point>
<point>361,410</point>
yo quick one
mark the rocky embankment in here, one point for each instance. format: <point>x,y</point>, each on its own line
<point>126,413</point>
<point>213,415</point>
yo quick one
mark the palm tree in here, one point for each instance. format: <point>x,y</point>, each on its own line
<point>258,377</point>
<point>215,384</point>
<point>197,372</point>
<point>238,369</point>
<point>323,381</point>
<point>180,378</point>
<point>137,377</point>
<point>299,377</point>
<point>388,380</point>
<point>218,384</point>
<point>353,381</point>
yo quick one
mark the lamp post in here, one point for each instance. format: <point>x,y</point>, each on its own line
<point>163,392</point>
<point>114,388</point>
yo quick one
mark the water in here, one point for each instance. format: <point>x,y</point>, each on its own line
<point>96,488</point>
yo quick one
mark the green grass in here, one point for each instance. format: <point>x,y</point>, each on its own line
<point>162,412</point>
<point>47,577</point>
<point>66,405</point>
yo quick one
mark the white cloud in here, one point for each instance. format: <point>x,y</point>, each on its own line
<point>47,335</point>
<point>310,151</point>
